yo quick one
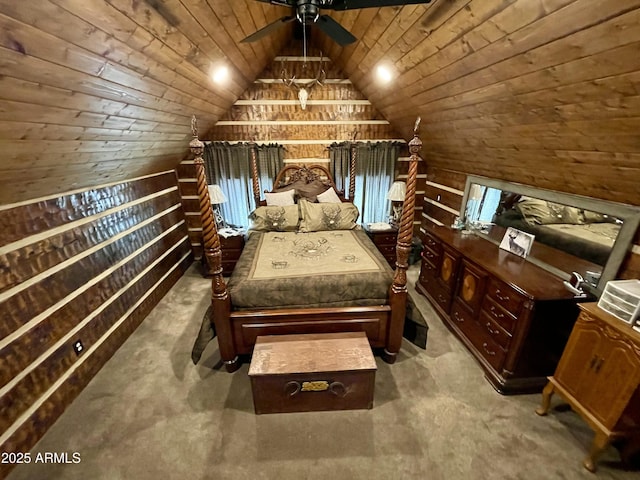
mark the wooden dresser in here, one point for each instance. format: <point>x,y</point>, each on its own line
<point>513,316</point>
<point>385,241</point>
<point>599,376</point>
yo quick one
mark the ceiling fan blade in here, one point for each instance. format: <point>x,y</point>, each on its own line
<point>353,4</point>
<point>336,31</point>
<point>264,31</point>
<point>283,3</point>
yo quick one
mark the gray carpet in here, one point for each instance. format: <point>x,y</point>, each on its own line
<point>151,414</point>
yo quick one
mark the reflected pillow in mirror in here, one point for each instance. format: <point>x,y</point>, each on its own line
<point>536,212</point>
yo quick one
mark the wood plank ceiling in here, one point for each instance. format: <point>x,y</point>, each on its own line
<point>542,92</point>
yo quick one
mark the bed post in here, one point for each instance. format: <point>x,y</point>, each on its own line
<point>220,301</point>
<point>254,175</point>
<point>398,289</point>
<point>352,168</point>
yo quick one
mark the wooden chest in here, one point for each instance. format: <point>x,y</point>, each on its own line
<point>301,373</point>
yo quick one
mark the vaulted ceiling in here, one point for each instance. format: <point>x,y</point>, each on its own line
<point>536,91</point>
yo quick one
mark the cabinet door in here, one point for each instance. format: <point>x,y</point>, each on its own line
<point>471,286</point>
<point>614,379</point>
<point>576,367</point>
<point>449,267</point>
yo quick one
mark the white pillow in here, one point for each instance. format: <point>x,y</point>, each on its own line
<point>329,196</point>
<point>280,199</point>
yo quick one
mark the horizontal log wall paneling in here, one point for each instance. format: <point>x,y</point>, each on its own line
<point>86,266</point>
<point>442,197</point>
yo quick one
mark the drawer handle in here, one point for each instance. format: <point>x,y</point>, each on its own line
<point>457,317</point>
<point>495,312</point>
<point>500,297</point>
<point>292,388</point>
<point>489,352</point>
<point>492,331</point>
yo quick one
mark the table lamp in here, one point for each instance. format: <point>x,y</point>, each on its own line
<point>396,194</point>
<point>216,195</point>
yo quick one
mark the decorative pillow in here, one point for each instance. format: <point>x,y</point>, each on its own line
<point>275,219</point>
<point>316,217</point>
<point>329,196</point>
<point>280,198</point>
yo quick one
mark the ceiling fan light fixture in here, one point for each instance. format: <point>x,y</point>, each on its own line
<point>307,12</point>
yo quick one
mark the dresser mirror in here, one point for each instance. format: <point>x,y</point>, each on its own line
<point>573,233</point>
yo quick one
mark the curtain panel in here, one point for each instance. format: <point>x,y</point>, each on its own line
<point>229,166</point>
<point>375,172</point>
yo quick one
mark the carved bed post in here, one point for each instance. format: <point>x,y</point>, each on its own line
<point>220,301</point>
<point>254,174</point>
<point>398,289</point>
<point>352,168</point>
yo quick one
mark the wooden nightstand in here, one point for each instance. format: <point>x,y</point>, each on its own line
<point>231,249</point>
<point>385,241</point>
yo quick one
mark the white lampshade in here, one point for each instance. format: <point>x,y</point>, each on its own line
<point>397,191</point>
<point>216,194</point>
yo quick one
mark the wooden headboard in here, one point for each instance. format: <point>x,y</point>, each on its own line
<point>291,174</point>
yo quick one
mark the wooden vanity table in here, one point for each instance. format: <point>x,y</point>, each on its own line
<point>513,316</point>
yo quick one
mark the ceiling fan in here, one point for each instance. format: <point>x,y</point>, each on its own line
<point>307,12</point>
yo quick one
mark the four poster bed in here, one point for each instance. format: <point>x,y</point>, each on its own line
<point>308,268</point>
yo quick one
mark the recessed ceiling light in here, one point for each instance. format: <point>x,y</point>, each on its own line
<point>220,74</point>
<point>384,73</point>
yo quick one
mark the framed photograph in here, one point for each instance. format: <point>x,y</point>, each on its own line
<point>518,242</point>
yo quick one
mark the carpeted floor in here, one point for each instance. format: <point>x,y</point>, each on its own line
<point>151,414</point>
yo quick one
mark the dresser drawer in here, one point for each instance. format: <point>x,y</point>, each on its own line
<point>233,254</point>
<point>440,294</point>
<point>495,331</point>
<point>505,296</point>
<point>490,350</point>
<point>432,256</point>
<point>498,314</point>
<point>389,251</point>
<point>232,243</point>
<point>431,242</point>
<point>385,239</point>
<point>462,318</point>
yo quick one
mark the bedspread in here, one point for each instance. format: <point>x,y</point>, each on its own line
<point>319,269</point>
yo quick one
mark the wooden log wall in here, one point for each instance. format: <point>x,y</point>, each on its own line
<point>269,112</point>
<point>543,93</point>
<point>86,266</point>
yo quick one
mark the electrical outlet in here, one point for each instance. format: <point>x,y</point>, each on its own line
<point>78,347</point>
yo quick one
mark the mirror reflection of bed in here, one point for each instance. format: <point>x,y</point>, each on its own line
<point>572,233</point>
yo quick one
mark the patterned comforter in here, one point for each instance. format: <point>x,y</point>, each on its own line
<point>319,269</point>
